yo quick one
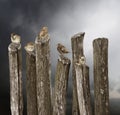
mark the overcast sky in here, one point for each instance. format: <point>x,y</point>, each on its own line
<point>64,18</point>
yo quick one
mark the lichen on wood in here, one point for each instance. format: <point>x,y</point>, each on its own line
<point>77,51</point>
<point>101,84</point>
<point>31,83</point>
<point>15,66</point>
<point>61,84</point>
<point>83,89</point>
<point>43,75</point>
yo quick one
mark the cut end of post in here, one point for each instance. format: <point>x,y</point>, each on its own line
<point>100,41</point>
<point>64,60</point>
<point>80,34</point>
<point>13,47</point>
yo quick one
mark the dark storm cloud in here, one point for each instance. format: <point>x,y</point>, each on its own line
<point>20,17</point>
<point>63,18</point>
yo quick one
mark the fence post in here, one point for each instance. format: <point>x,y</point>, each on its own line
<point>77,51</point>
<point>15,66</point>
<point>101,91</point>
<point>43,75</point>
<point>31,83</point>
<point>87,90</point>
<point>83,89</point>
<point>61,83</point>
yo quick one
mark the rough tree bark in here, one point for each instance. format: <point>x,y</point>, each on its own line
<point>61,83</point>
<point>87,90</point>
<point>101,91</point>
<point>83,89</point>
<point>77,51</point>
<point>15,65</point>
<point>31,83</point>
<point>43,76</point>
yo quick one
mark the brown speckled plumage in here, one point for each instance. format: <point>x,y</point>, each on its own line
<point>62,49</point>
<point>30,46</point>
<point>43,32</point>
<point>15,38</point>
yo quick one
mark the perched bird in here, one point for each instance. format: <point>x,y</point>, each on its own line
<point>62,49</point>
<point>30,47</point>
<point>43,32</point>
<point>82,60</point>
<point>15,38</point>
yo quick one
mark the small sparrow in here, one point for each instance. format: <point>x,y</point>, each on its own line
<point>30,47</point>
<point>82,60</point>
<point>43,32</point>
<point>15,38</point>
<point>62,49</point>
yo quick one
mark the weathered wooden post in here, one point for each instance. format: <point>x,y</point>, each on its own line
<point>83,88</point>
<point>61,83</point>
<point>77,51</point>
<point>15,66</point>
<point>31,79</point>
<point>87,90</point>
<point>101,91</point>
<point>42,49</point>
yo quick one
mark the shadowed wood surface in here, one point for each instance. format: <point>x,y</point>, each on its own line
<point>83,89</point>
<point>43,76</point>
<point>15,66</point>
<point>87,90</point>
<point>101,91</point>
<point>61,84</point>
<point>77,51</point>
<point>31,84</point>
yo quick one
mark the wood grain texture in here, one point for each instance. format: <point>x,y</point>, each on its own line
<point>61,84</point>
<point>77,50</point>
<point>15,66</point>
<point>31,83</point>
<point>101,84</point>
<point>43,76</point>
<point>87,90</point>
<point>83,89</point>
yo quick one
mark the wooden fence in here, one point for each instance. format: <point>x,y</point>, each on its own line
<point>41,99</point>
